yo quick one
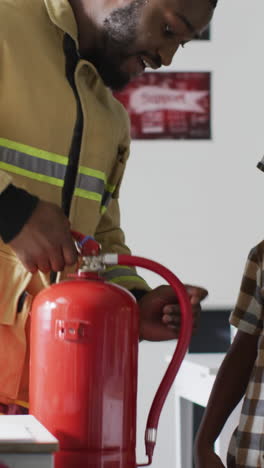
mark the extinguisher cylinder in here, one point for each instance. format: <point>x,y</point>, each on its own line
<point>83,383</point>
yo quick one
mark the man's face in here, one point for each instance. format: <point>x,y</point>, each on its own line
<point>145,33</point>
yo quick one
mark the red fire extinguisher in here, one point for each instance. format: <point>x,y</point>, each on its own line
<point>83,365</point>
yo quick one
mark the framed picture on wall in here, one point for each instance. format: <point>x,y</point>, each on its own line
<point>175,105</point>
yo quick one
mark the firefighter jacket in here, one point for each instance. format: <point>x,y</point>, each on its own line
<point>49,96</point>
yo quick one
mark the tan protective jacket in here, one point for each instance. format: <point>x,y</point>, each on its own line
<point>37,119</point>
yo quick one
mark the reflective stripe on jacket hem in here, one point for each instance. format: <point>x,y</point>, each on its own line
<point>121,275</point>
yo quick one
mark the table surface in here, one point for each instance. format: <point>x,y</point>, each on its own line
<point>25,434</point>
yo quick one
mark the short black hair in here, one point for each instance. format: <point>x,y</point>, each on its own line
<point>213,3</point>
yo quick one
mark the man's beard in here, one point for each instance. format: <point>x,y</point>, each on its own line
<point>109,69</point>
<point>118,37</point>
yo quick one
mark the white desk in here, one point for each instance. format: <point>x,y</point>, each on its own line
<point>25,443</point>
<point>194,383</point>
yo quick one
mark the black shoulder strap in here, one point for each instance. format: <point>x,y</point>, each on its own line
<point>72,58</point>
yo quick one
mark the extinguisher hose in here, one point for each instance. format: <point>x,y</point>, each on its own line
<point>183,340</point>
<point>181,347</point>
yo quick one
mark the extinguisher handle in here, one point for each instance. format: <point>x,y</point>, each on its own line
<point>86,245</point>
<point>181,347</point>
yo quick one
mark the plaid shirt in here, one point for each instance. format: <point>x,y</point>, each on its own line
<point>247,444</point>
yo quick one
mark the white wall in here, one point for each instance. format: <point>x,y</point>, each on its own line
<point>197,206</point>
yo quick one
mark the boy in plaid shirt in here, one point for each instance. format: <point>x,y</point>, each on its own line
<point>241,373</point>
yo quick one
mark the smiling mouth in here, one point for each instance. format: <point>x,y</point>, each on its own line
<point>150,63</point>
<point>135,65</point>
<point>145,64</point>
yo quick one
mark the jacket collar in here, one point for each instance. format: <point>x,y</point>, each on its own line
<point>61,14</point>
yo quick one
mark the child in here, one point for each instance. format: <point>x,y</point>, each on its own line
<point>242,372</point>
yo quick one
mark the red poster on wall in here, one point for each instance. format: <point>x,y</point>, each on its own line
<point>169,105</point>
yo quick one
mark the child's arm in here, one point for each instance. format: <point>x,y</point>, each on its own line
<point>229,387</point>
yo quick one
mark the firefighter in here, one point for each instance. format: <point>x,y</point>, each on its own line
<point>64,144</point>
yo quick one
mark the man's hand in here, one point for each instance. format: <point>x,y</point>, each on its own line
<point>160,317</point>
<point>45,242</point>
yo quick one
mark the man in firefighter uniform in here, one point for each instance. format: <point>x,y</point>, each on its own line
<point>64,144</point>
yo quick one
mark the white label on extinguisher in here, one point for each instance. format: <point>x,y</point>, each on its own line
<point>151,435</point>
<point>110,259</point>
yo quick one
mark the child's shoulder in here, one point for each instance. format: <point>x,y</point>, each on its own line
<point>257,252</point>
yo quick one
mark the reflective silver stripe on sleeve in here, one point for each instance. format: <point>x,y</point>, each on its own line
<point>34,166</point>
<point>50,168</point>
<point>32,163</point>
<point>86,182</point>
